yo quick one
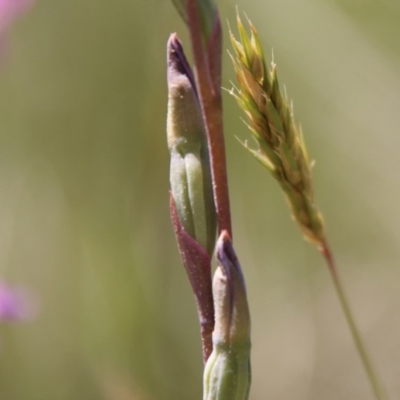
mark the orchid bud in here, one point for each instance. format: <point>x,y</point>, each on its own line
<point>227,374</point>
<point>190,173</point>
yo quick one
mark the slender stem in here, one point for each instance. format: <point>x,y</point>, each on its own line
<point>211,104</point>
<point>377,387</point>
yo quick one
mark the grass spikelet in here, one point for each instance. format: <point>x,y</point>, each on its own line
<point>281,146</point>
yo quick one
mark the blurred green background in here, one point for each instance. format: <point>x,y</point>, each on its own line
<point>84,204</point>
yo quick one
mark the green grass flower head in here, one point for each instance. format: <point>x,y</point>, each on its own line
<point>281,147</point>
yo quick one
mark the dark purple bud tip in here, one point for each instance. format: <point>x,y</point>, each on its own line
<point>232,316</point>
<point>229,263</point>
<point>225,251</point>
<point>226,255</point>
<point>176,60</point>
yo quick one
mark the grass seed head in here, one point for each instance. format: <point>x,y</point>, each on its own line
<point>281,147</point>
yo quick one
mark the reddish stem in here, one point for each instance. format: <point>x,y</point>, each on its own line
<point>211,105</point>
<point>197,263</point>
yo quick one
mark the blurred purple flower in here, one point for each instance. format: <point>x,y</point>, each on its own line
<point>10,9</point>
<point>16,304</point>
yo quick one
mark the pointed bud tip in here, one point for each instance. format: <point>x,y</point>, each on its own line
<point>232,317</point>
<point>176,60</point>
<point>175,53</point>
<point>225,251</point>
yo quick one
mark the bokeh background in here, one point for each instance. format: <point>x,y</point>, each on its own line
<point>84,204</point>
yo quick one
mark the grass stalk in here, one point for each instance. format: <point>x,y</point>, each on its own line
<point>377,387</point>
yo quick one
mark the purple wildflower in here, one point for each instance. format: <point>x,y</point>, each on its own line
<point>10,10</point>
<point>16,303</point>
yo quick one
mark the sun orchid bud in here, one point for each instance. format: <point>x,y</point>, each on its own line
<point>227,374</point>
<point>190,174</point>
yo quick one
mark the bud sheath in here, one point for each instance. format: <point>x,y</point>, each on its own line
<point>190,173</point>
<point>227,374</point>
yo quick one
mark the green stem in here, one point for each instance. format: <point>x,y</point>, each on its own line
<point>375,382</point>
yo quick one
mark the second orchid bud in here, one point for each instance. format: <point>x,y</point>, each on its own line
<point>227,375</point>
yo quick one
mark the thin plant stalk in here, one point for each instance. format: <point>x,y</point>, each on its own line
<point>206,37</point>
<point>211,105</point>
<point>226,353</point>
<point>379,391</point>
